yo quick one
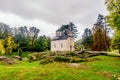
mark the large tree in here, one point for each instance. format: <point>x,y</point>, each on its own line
<point>69,27</point>
<point>98,40</point>
<point>113,19</point>
<point>101,40</point>
<point>33,34</point>
<point>21,39</point>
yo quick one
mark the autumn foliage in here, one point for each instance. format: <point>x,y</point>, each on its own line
<point>99,39</point>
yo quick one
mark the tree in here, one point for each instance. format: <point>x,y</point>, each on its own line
<point>6,34</point>
<point>69,27</point>
<point>87,38</point>
<point>33,36</point>
<point>5,30</point>
<point>78,45</point>
<point>10,44</point>
<point>21,38</point>
<point>2,49</point>
<point>42,43</point>
<point>98,40</point>
<point>101,40</point>
<point>25,38</point>
<point>116,41</point>
<point>113,19</point>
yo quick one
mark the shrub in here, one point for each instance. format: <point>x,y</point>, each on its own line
<point>35,57</point>
<point>61,59</point>
<point>46,61</point>
<point>32,58</point>
<point>71,54</point>
<point>43,62</point>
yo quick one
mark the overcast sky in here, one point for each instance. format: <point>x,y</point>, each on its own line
<point>49,15</point>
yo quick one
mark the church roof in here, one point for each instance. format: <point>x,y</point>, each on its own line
<point>63,37</point>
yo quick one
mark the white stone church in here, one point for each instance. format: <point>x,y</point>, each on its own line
<point>62,42</point>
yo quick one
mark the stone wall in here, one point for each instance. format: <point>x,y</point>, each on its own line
<point>63,45</point>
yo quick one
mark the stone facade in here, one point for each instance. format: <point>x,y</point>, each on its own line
<point>63,44</point>
<point>64,39</point>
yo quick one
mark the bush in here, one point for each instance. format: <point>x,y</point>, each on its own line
<point>25,54</point>
<point>32,58</point>
<point>71,54</point>
<point>61,59</point>
<point>46,61</point>
<point>35,57</point>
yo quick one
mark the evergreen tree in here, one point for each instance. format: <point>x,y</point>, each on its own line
<point>87,38</point>
<point>69,27</point>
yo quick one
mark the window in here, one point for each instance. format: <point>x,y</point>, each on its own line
<point>54,45</point>
<point>61,45</point>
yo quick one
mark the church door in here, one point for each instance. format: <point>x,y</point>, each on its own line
<point>70,48</point>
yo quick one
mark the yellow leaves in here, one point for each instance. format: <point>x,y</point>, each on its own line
<point>114,16</point>
<point>10,44</point>
<point>116,40</point>
<point>2,49</point>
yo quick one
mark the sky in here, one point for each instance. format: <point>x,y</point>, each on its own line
<point>49,15</point>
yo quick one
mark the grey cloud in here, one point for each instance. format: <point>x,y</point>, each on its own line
<point>56,11</point>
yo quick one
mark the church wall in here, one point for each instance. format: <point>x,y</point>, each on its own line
<point>63,45</point>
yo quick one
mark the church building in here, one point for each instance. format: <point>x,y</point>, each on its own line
<point>63,41</point>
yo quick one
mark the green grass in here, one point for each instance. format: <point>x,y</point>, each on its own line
<point>103,69</point>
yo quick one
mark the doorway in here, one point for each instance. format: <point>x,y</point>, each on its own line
<point>70,48</point>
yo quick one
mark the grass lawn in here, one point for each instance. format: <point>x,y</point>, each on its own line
<point>105,68</point>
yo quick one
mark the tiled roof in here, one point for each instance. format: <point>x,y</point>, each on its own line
<point>63,37</point>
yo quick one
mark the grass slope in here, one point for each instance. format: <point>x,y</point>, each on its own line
<point>104,69</point>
